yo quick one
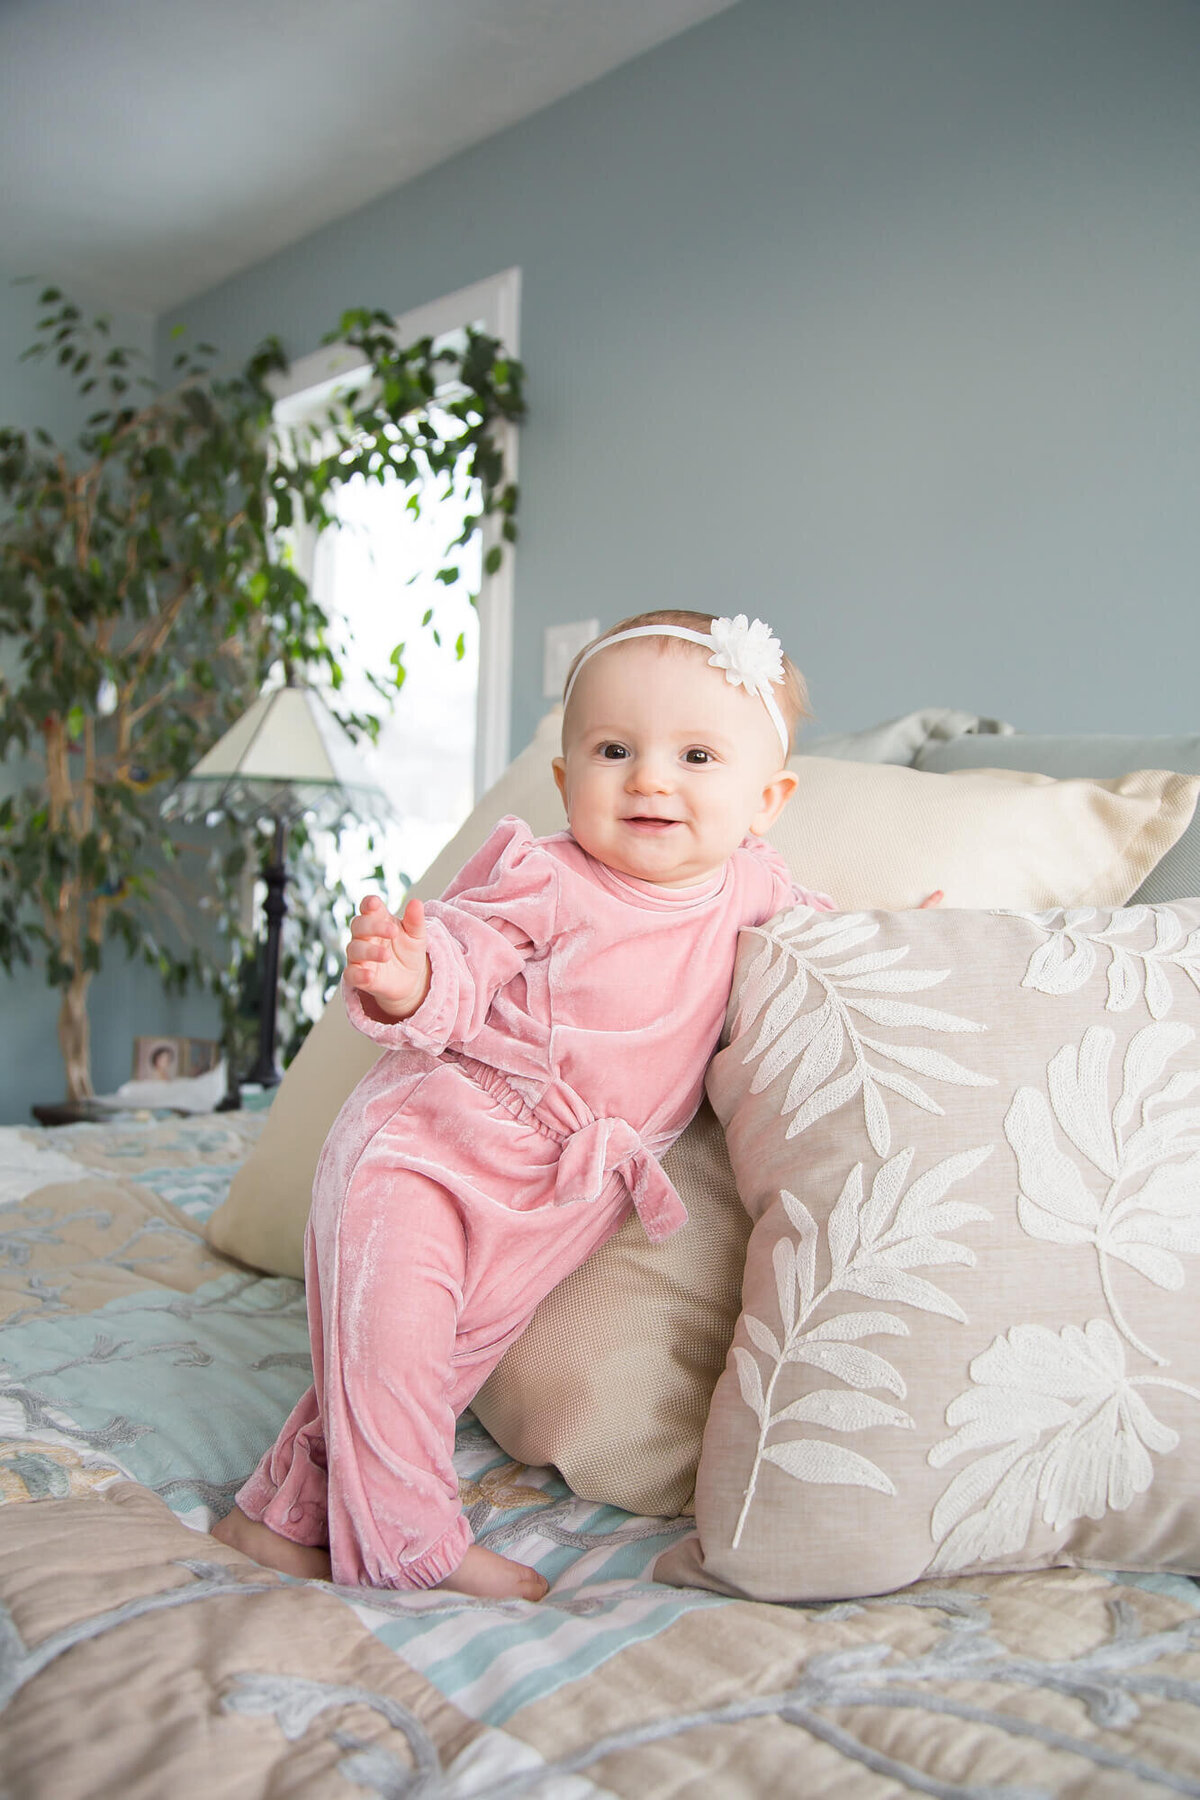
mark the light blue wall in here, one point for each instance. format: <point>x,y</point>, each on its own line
<point>876,316</point>
<point>125,998</point>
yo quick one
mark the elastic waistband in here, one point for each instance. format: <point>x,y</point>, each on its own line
<point>497,1088</point>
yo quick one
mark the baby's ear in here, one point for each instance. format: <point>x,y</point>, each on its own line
<point>560,777</point>
<point>775,797</point>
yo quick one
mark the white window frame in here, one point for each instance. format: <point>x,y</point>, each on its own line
<point>495,305</point>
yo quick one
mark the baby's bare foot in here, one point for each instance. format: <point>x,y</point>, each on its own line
<point>262,1545</point>
<point>491,1576</point>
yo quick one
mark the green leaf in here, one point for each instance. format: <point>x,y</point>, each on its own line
<point>492,560</point>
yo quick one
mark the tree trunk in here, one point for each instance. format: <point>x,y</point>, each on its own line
<point>74,1037</point>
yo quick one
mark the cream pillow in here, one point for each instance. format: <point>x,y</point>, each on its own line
<point>612,1379</point>
<point>970,1338</point>
<point>875,834</point>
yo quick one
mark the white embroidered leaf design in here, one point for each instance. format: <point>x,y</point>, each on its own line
<point>1031,1381</point>
<point>762,978</point>
<point>842,1410</point>
<point>873,1240</point>
<point>1145,1226</point>
<point>1158,1266</point>
<point>1125,919</point>
<point>750,1381</point>
<point>818,1062</point>
<point>1145,1059</point>
<point>1061,965</point>
<point>813,1047</point>
<point>881,959</point>
<point>787,1031</point>
<point>926,1062</point>
<point>1162,1136</point>
<point>849,1362</point>
<point>899,1012</point>
<point>1070,955</point>
<point>908,1090</point>
<point>908,1290</point>
<point>812,1459</point>
<point>843,1222</point>
<point>1055,1202</point>
<point>826,1100</point>
<point>876,1213</point>
<point>1123,984</point>
<point>762,1336</point>
<point>1077,1078</point>
<point>847,1326</point>
<point>1171,1190</point>
<point>784,1259</point>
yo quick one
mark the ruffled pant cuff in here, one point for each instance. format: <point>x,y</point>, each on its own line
<point>440,1560</point>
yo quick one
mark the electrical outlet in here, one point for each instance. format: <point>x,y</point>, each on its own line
<point>560,646</point>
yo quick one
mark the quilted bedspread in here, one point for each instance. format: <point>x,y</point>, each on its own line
<point>141,1376</point>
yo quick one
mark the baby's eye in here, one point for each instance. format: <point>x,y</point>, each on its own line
<point>613,752</point>
<point>697,756</point>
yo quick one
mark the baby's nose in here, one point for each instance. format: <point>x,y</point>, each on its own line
<point>650,775</point>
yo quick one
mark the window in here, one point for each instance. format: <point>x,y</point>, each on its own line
<point>447,736</point>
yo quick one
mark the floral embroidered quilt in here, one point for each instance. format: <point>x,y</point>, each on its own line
<point>140,1377</point>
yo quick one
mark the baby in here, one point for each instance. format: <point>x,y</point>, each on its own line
<point>548,1023</point>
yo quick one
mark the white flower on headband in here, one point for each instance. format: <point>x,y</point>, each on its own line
<point>748,651</point>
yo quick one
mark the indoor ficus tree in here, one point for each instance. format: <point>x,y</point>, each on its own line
<point>147,592</point>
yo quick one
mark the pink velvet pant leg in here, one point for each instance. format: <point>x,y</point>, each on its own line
<point>418,1280</point>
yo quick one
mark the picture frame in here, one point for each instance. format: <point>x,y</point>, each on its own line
<point>164,1058</point>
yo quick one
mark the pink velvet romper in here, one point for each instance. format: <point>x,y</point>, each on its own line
<point>518,1112</point>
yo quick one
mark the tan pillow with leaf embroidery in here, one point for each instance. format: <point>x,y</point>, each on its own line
<point>970,1338</point>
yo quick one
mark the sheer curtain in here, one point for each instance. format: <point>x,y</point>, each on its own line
<point>376,576</point>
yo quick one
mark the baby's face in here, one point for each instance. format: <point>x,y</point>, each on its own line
<point>666,766</point>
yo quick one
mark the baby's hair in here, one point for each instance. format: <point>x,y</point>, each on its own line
<point>791,694</point>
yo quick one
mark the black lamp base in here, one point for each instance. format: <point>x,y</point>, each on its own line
<point>265,1071</point>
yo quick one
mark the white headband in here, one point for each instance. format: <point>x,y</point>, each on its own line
<point>748,651</point>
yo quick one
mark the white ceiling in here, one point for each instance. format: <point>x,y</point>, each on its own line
<point>150,148</point>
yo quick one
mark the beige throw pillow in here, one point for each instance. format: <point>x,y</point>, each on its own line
<point>970,1338</point>
<point>875,834</point>
<point>611,1381</point>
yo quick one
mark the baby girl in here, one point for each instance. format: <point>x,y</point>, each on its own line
<point>547,1025</point>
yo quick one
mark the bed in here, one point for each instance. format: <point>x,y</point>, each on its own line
<point>142,1372</point>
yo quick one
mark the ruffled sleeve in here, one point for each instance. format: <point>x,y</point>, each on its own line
<point>499,910</point>
<point>783,890</point>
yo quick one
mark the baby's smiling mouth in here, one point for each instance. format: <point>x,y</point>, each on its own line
<point>650,823</point>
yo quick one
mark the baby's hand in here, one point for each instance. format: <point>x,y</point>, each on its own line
<point>387,960</point>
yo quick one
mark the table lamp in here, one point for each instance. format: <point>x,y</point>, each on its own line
<point>286,756</point>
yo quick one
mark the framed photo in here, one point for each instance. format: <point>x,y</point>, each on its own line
<point>173,1058</point>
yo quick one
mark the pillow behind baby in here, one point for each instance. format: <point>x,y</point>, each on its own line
<point>624,1426</point>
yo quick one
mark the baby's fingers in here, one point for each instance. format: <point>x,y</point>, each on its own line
<point>374,920</point>
<point>369,949</point>
<point>413,921</point>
